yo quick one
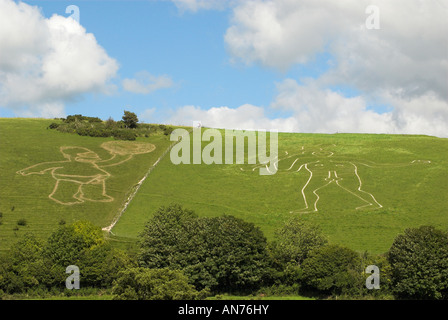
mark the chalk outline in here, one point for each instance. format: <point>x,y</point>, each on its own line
<point>95,179</point>
<point>305,165</point>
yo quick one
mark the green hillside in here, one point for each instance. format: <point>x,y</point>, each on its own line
<point>406,176</point>
<point>403,184</point>
<point>25,143</point>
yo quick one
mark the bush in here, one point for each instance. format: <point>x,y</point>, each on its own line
<point>294,241</point>
<point>65,246</point>
<point>167,131</point>
<point>419,262</point>
<point>223,254</point>
<point>100,265</point>
<point>333,270</point>
<point>21,222</point>
<point>21,267</point>
<point>122,134</point>
<point>80,118</point>
<point>53,125</point>
<point>154,284</point>
<point>32,263</point>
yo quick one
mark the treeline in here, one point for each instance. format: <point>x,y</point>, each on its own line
<point>128,128</point>
<point>183,256</point>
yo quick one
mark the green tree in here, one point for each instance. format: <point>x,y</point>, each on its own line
<point>154,284</point>
<point>333,269</point>
<point>23,266</point>
<point>163,235</point>
<point>295,240</point>
<point>100,265</point>
<point>419,262</point>
<point>130,119</point>
<point>66,245</point>
<point>385,273</point>
<point>220,253</point>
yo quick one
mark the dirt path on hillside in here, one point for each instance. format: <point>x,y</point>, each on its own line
<point>137,187</point>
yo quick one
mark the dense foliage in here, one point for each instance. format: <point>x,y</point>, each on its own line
<point>128,128</point>
<point>294,241</point>
<point>223,254</point>
<point>419,263</point>
<point>130,119</point>
<point>154,284</point>
<point>333,269</point>
<point>183,256</point>
<point>33,264</point>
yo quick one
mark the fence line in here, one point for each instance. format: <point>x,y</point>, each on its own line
<point>138,185</point>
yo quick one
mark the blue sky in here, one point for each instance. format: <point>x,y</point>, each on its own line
<point>188,47</point>
<point>304,66</point>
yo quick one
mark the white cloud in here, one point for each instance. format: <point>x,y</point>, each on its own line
<point>280,33</point>
<point>404,64</point>
<point>196,5</point>
<point>47,62</point>
<point>326,111</point>
<point>147,115</point>
<point>247,117</point>
<point>145,83</point>
<point>409,50</point>
<point>317,110</point>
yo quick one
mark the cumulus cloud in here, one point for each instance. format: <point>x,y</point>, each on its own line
<point>326,111</point>
<point>196,5</point>
<point>318,110</point>
<point>147,115</point>
<point>246,117</point>
<point>404,64</point>
<point>281,33</point>
<point>47,62</point>
<point>145,83</point>
<point>323,110</point>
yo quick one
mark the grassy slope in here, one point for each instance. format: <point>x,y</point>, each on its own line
<point>25,142</point>
<point>411,195</point>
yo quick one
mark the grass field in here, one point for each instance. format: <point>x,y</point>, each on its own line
<point>404,178</point>
<point>406,175</point>
<point>27,142</point>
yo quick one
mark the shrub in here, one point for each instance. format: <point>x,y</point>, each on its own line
<point>53,125</point>
<point>294,241</point>
<point>154,284</point>
<point>110,123</point>
<point>167,131</point>
<point>419,262</point>
<point>66,245</point>
<point>221,253</point>
<point>21,222</point>
<point>121,134</point>
<point>22,266</point>
<point>80,117</point>
<point>334,270</point>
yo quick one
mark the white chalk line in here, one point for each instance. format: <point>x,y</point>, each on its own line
<point>138,185</point>
<point>368,203</point>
